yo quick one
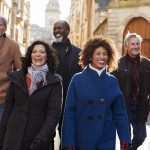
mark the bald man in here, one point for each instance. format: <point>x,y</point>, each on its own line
<point>68,55</point>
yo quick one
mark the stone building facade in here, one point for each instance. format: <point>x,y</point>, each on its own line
<point>52,13</point>
<point>112,19</point>
<point>39,33</point>
<point>17,13</point>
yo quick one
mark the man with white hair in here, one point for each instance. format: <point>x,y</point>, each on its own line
<point>133,74</point>
<point>10,59</point>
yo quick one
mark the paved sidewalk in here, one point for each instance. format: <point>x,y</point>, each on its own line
<point>57,141</point>
<point>146,144</point>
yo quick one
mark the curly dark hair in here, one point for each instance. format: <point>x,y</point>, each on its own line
<point>52,60</point>
<point>91,45</point>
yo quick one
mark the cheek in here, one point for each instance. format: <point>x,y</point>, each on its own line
<point>45,58</point>
<point>32,56</point>
<point>107,60</point>
<point>32,59</point>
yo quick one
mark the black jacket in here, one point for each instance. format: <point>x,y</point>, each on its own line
<point>68,63</point>
<point>32,117</point>
<point>124,78</point>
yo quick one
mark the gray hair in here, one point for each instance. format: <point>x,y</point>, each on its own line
<point>3,19</point>
<point>131,35</point>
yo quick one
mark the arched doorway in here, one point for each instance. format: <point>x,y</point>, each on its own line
<point>140,26</point>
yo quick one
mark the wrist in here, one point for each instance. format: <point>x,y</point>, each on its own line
<point>124,145</point>
<point>70,148</point>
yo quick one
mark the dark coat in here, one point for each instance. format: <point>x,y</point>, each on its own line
<point>94,110</point>
<point>68,55</point>
<point>28,117</point>
<point>68,63</point>
<point>124,78</point>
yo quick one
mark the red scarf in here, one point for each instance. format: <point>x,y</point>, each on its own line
<point>28,82</point>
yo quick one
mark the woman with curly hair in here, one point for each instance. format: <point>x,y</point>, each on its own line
<point>95,107</point>
<point>33,102</point>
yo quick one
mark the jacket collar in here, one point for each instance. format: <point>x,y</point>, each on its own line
<point>18,78</point>
<point>66,43</point>
<point>139,58</point>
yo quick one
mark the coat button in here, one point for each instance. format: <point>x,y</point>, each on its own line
<point>102,100</point>
<point>90,117</point>
<point>90,101</point>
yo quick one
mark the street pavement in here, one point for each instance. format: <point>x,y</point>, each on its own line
<point>145,146</point>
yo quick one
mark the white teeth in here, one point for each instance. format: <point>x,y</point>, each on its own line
<point>100,61</point>
<point>38,59</point>
<point>58,35</point>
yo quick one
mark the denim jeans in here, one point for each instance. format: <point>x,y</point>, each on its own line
<point>139,128</point>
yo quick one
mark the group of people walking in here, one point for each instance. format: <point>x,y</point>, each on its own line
<point>87,92</point>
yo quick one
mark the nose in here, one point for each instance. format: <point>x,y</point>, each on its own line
<point>56,30</point>
<point>137,46</point>
<point>101,56</point>
<point>37,53</point>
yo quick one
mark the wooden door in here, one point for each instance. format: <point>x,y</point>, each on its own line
<point>140,26</point>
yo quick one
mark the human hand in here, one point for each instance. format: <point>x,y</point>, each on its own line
<point>70,148</point>
<point>124,146</point>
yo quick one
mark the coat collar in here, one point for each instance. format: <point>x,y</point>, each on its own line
<point>73,52</point>
<point>18,78</point>
<point>125,57</point>
<point>66,43</point>
<point>93,74</point>
<point>96,82</point>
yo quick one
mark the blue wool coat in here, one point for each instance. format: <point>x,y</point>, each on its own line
<point>94,110</point>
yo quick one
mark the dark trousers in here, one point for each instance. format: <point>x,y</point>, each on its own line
<point>59,129</point>
<point>139,128</point>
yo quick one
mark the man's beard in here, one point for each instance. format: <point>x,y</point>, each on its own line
<point>60,37</point>
<point>58,40</point>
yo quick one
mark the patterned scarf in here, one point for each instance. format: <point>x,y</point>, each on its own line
<point>38,75</point>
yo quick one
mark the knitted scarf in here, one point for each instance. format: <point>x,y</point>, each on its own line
<point>38,75</point>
